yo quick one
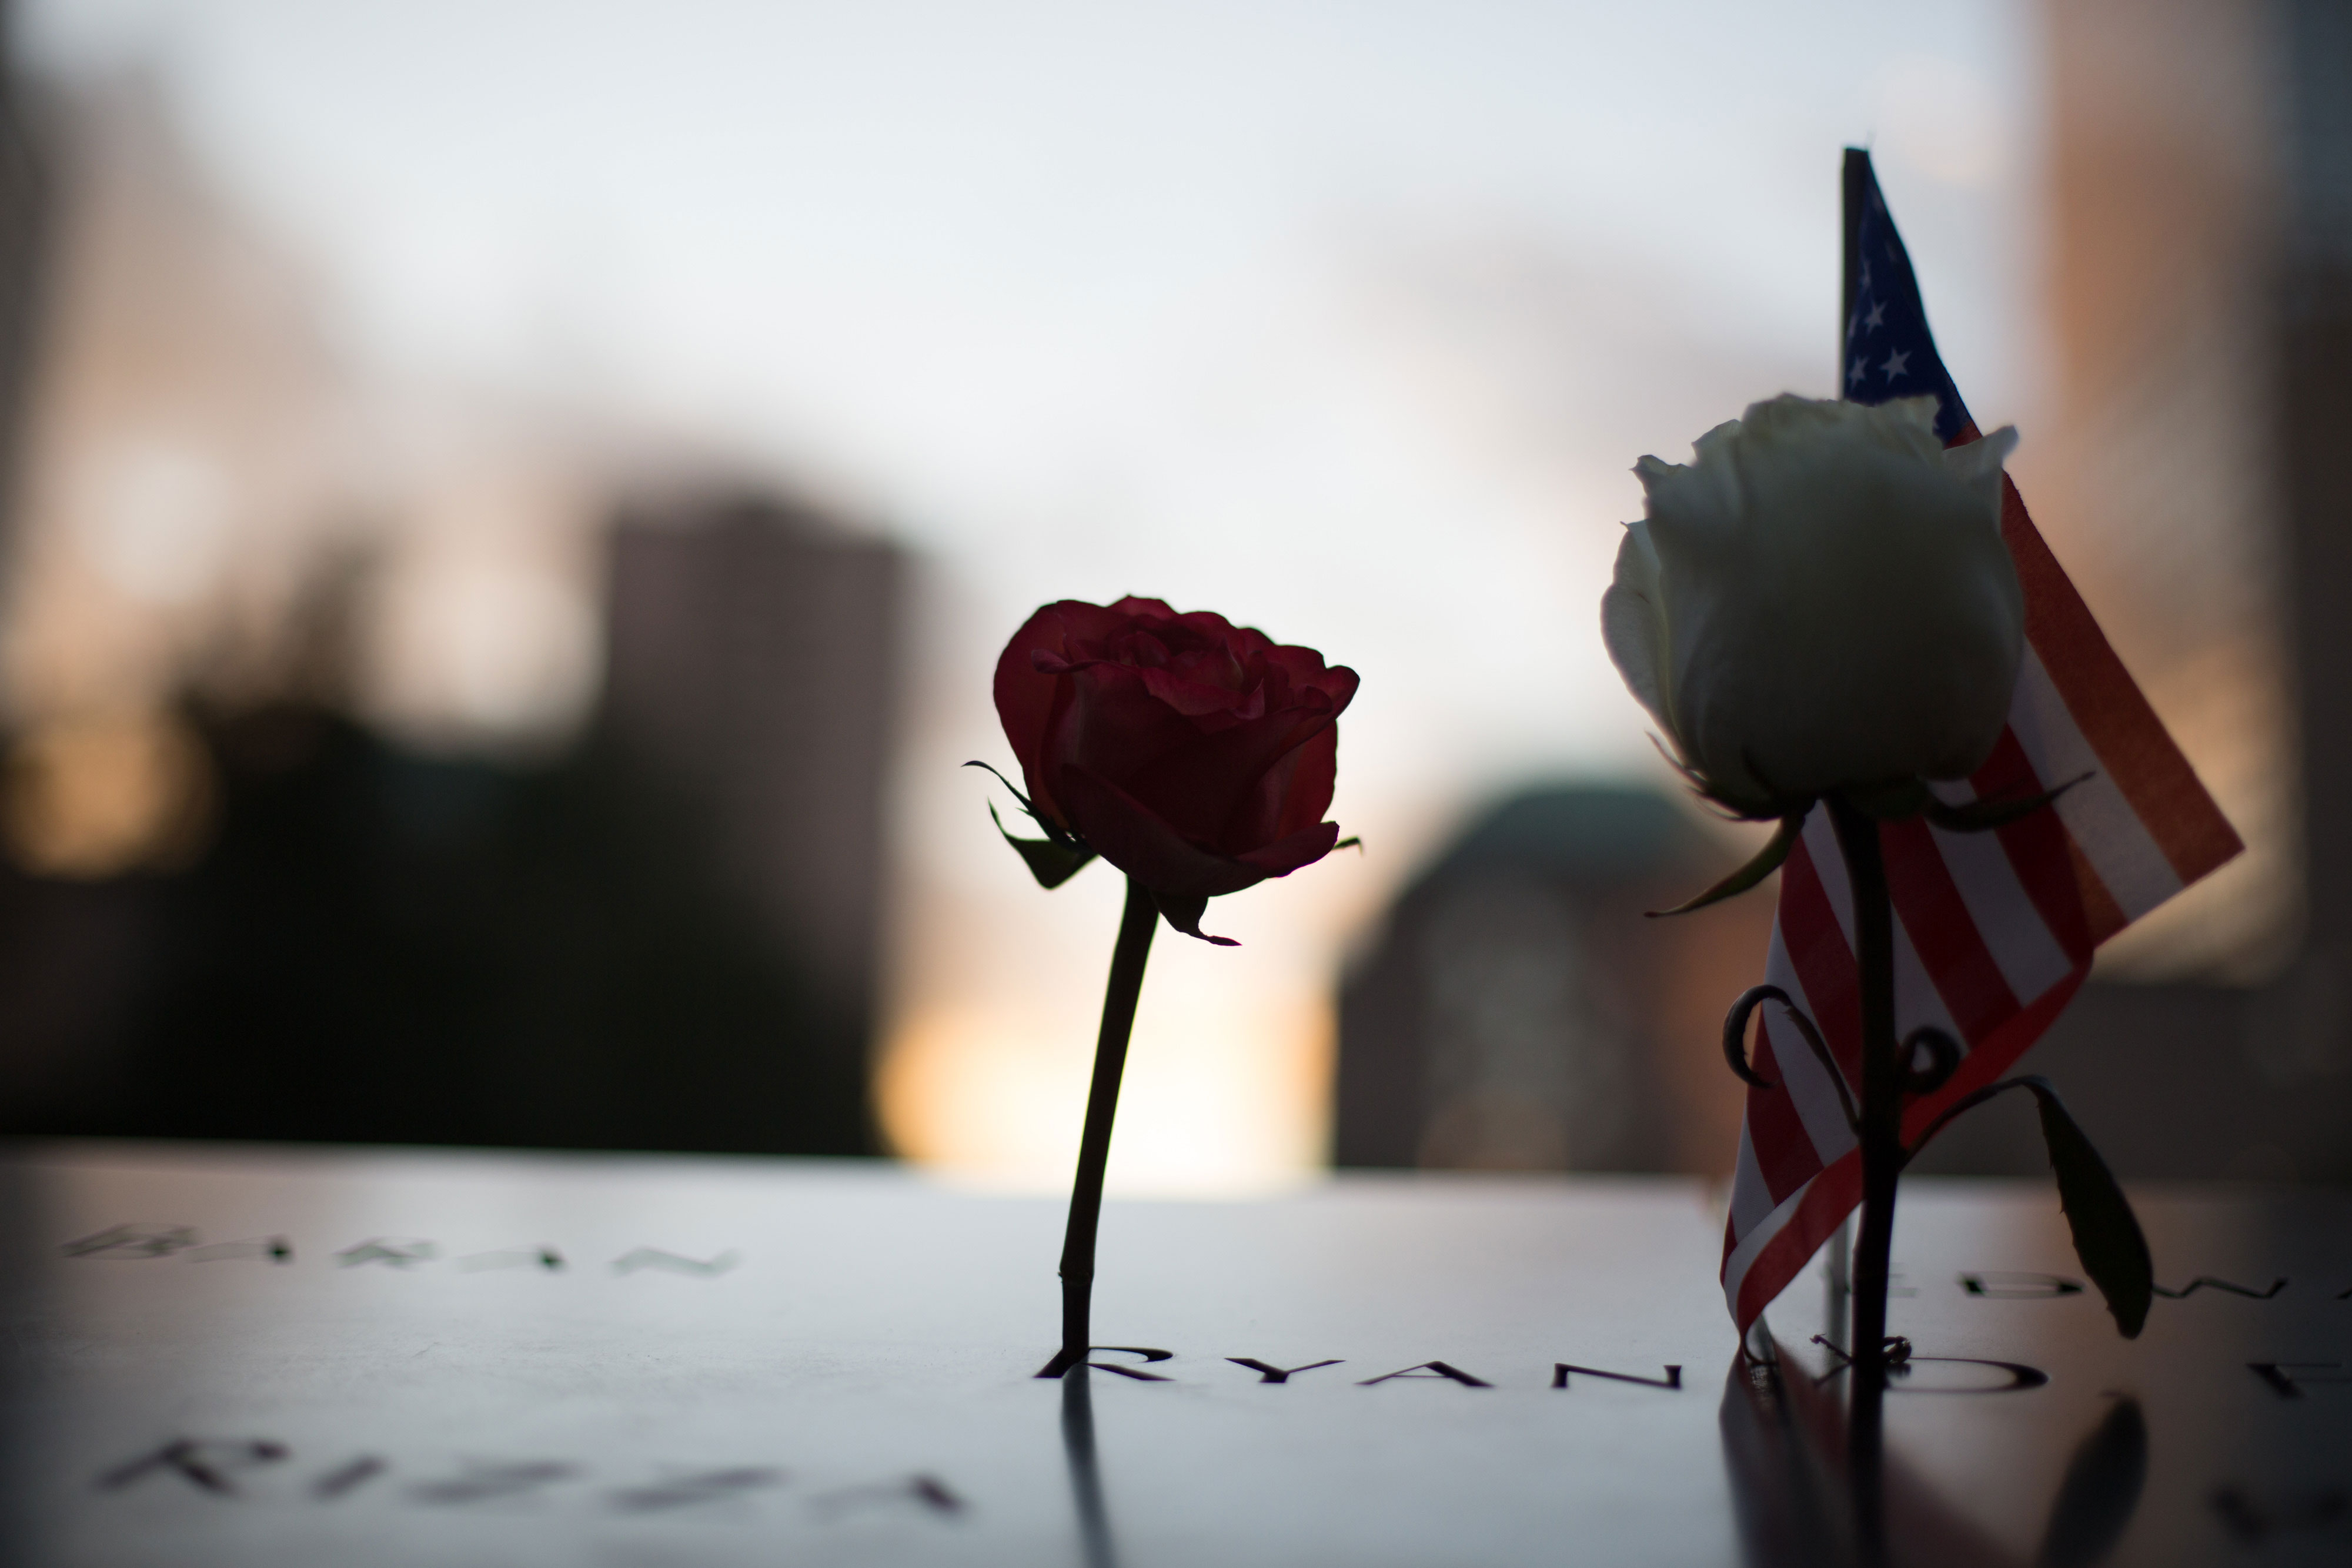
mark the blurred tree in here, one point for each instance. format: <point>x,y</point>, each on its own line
<point>381,948</point>
<point>23,228</point>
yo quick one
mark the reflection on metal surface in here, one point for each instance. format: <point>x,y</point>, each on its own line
<point>1784,1444</point>
<point>1086,1475</point>
<point>1786,1470</point>
<point>2101,1491</point>
<point>1388,1372</point>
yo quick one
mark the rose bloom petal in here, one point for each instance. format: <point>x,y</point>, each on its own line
<point>1026,699</point>
<point>1821,600</point>
<point>1197,755</point>
<point>1132,837</point>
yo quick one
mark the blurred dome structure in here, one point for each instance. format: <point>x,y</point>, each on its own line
<point>1516,1012</point>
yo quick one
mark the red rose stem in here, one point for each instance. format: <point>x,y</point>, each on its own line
<point>1135,927</point>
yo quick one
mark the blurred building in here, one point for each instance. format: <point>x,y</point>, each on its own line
<point>313,824</point>
<point>2201,237</point>
<point>753,674</point>
<point>188,444</point>
<point>2158,475</point>
<point>1516,1011</point>
<point>24,229</point>
<point>662,938</point>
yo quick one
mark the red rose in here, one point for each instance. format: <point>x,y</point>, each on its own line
<point>1196,756</point>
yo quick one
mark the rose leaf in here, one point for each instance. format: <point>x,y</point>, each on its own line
<point>1050,863</point>
<point>1768,861</point>
<point>2107,1237</point>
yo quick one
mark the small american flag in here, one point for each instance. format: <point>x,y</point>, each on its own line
<point>1993,931</point>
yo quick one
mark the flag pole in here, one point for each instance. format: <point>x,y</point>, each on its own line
<point>1880,1131</point>
<point>1854,182</point>
<point>1857,185</point>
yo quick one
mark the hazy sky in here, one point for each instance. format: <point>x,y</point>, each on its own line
<point>1345,320</point>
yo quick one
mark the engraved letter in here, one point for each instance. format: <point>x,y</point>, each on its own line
<point>134,1241</point>
<point>392,1251</point>
<point>2012,1287</point>
<point>2021,1376</point>
<point>1064,1360</point>
<point>1431,1369</point>
<point>207,1462</point>
<point>708,1486</point>
<point>277,1249</point>
<point>1274,1374</point>
<point>480,1482</point>
<point>927,1492</point>
<point>546,1257</point>
<point>2283,1376</point>
<point>1560,1369</point>
<point>2203,1281</point>
<point>2252,1523</point>
<point>670,1262</point>
<point>350,1478</point>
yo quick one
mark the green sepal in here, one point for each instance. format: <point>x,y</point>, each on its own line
<point>1184,914</point>
<point>1027,805</point>
<point>1051,860</point>
<point>1051,863</point>
<point>1768,861</point>
<point>1984,816</point>
<point>2107,1233</point>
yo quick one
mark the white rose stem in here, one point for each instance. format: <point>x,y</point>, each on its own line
<point>1136,924</point>
<point>1881,1151</point>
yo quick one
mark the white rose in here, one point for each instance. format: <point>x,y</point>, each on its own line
<point>1821,601</point>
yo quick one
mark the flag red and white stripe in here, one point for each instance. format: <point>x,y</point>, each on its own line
<point>1993,931</point>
